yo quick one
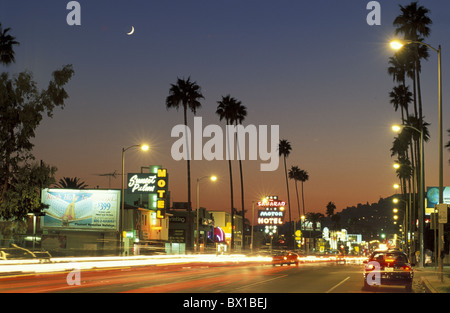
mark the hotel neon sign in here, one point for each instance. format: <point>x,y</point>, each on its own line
<point>273,213</point>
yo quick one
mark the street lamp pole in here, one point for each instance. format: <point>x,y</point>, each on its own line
<point>144,147</point>
<point>213,178</point>
<point>397,45</point>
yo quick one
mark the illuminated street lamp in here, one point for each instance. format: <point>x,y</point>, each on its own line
<point>213,179</point>
<point>398,44</point>
<point>143,147</point>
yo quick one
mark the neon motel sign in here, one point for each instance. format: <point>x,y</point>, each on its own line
<point>273,213</point>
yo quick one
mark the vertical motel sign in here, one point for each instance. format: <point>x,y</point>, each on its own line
<point>161,191</point>
<point>153,184</point>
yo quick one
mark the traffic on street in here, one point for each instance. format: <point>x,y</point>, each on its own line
<point>195,274</point>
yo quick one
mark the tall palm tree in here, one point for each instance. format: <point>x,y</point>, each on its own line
<point>402,66</point>
<point>284,149</point>
<point>71,183</point>
<point>239,113</point>
<point>186,94</point>
<point>294,174</point>
<point>233,112</point>
<point>303,177</point>
<point>7,42</point>
<point>225,112</point>
<point>413,23</point>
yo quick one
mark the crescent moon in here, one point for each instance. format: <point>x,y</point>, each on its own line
<point>132,31</point>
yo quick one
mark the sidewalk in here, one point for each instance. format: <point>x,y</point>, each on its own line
<point>430,279</point>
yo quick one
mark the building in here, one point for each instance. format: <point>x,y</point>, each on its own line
<point>222,220</point>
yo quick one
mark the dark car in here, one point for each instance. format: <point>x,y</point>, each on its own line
<point>389,267</point>
<point>285,257</point>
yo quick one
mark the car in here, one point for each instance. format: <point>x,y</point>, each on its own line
<point>388,268</point>
<point>285,257</point>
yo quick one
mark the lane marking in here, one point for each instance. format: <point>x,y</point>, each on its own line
<point>330,290</point>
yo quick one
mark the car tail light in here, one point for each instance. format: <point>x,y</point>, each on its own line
<point>406,268</point>
<point>370,267</point>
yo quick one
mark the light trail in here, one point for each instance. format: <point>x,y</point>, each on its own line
<point>87,263</point>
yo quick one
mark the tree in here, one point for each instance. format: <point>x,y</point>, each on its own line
<point>23,194</point>
<point>284,149</point>
<point>401,97</point>
<point>239,113</point>
<point>233,112</point>
<point>71,183</point>
<point>294,174</point>
<point>22,107</point>
<point>7,55</point>
<point>303,177</point>
<point>186,94</point>
<point>413,23</point>
<point>330,209</point>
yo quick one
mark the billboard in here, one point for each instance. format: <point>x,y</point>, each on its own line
<point>432,198</point>
<point>81,209</point>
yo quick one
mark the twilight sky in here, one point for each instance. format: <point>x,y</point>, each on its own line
<point>315,68</point>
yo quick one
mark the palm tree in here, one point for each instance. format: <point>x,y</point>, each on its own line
<point>413,23</point>
<point>6,46</point>
<point>186,94</point>
<point>284,149</point>
<point>71,183</point>
<point>314,218</point>
<point>330,209</point>
<point>224,111</point>
<point>303,177</point>
<point>402,66</point>
<point>294,174</point>
<point>401,97</point>
<point>299,175</point>
<point>233,112</point>
<point>239,112</point>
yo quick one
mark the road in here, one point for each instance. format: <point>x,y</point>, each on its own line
<point>217,278</point>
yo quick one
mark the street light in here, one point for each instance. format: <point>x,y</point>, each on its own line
<point>213,179</point>
<point>398,44</point>
<point>397,128</point>
<point>143,147</point>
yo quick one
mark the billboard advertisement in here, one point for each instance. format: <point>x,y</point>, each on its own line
<point>81,209</point>
<point>432,198</point>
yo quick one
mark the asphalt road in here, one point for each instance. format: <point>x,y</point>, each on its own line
<point>201,278</point>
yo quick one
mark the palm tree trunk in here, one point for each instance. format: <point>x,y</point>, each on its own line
<point>232,205</point>
<point>298,201</point>
<point>289,206</point>
<point>242,202</point>
<point>242,185</point>
<point>303,200</point>
<point>231,190</point>
<point>189,208</point>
